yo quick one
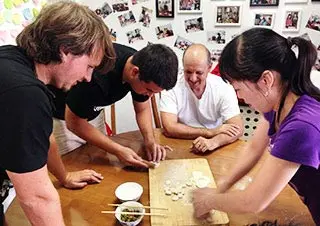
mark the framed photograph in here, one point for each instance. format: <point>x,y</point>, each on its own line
<point>228,15</point>
<point>104,11</point>
<point>126,19</point>
<point>182,43</point>
<point>145,16</point>
<point>264,20</point>
<point>193,25</point>
<point>189,6</point>
<point>292,20</point>
<point>314,22</point>
<point>134,36</point>
<point>216,37</point>
<point>134,2</point>
<point>165,8</point>
<point>264,2</point>
<point>120,6</point>
<point>215,55</point>
<point>164,31</point>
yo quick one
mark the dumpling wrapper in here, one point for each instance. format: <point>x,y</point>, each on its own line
<point>202,182</point>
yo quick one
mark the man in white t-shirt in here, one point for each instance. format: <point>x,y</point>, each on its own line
<point>201,107</point>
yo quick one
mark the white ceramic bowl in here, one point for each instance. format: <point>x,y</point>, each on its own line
<point>129,191</point>
<point>123,206</point>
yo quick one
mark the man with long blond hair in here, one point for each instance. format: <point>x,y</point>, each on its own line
<point>61,47</point>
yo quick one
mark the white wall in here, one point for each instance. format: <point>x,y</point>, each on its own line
<point>124,109</point>
<point>208,15</point>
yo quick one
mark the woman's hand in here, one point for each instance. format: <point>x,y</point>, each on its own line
<point>201,202</point>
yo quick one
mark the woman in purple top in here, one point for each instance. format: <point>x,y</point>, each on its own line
<point>266,73</point>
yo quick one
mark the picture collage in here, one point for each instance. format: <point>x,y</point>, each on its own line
<point>143,21</point>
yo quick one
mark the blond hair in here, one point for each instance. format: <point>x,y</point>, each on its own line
<point>68,27</point>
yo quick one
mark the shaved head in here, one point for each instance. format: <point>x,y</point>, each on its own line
<point>196,52</point>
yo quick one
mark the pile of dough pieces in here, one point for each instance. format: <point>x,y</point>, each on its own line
<point>177,190</point>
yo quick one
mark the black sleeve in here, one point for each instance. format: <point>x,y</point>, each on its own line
<point>83,99</point>
<point>59,101</point>
<point>26,124</point>
<point>1,214</point>
<point>138,97</point>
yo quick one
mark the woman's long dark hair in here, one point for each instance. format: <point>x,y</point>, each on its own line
<point>248,55</point>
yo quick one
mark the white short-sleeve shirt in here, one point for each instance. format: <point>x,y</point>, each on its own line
<point>218,103</point>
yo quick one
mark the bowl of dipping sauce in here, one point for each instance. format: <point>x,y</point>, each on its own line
<point>129,191</point>
<point>130,219</point>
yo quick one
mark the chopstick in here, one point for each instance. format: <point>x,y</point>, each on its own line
<point>146,207</point>
<point>136,213</point>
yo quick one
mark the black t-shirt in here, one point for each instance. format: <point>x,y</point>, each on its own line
<point>26,113</point>
<point>87,99</point>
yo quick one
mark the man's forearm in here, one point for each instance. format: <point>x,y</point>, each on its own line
<point>223,139</point>
<point>144,121</point>
<point>44,212</point>
<point>37,196</point>
<point>95,137</point>
<point>179,130</point>
<point>55,164</point>
<point>146,130</point>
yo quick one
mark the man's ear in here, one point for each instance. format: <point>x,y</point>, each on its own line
<point>63,54</point>
<point>135,72</point>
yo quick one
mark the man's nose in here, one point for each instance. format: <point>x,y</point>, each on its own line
<point>193,77</point>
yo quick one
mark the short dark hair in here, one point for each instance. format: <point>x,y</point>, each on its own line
<point>248,55</point>
<point>157,63</point>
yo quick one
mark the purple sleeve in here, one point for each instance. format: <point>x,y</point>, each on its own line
<point>298,142</point>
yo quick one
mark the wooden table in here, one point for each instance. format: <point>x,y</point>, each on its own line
<point>83,207</point>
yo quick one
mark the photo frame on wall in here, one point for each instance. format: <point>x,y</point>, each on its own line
<point>120,5</point>
<point>189,6</point>
<point>292,20</point>
<point>264,19</point>
<point>194,25</point>
<point>182,43</point>
<point>165,8</point>
<point>164,31</point>
<point>145,16</point>
<point>228,15</point>
<point>264,2</point>
<point>314,22</point>
<point>216,37</point>
<point>215,55</point>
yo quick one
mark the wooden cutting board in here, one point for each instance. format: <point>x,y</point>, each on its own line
<point>179,172</point>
